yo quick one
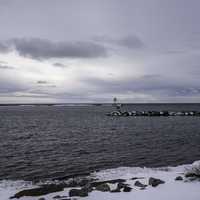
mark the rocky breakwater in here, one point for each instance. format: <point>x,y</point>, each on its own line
<point>153,113</point>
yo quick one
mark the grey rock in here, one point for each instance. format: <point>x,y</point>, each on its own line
<point>127,189</point>
<point>46,189</point>
<point>67,199</point>
<point>103,187</point>
<point>78,193</point>
<point>121,185</point>
<point>115,190</point>
<point>78,182</point>
<point>139,184</point>
<point>179,178</point>
<point>135,178</point>
<point>95,184</point>
<point>59,197</point>
<point>88,188</point>
<point>193,175</point>
<point>155,182</point>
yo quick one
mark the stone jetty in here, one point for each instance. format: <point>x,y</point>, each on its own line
<point>153,113</point>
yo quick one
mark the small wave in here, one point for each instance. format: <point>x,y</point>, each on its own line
<point>128,171</point>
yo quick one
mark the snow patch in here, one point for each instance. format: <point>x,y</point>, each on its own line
<point>173,190</point>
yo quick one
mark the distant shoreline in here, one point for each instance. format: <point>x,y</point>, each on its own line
<point>89,104</point>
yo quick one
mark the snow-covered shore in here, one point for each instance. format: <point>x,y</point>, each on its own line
<point>172,189</point>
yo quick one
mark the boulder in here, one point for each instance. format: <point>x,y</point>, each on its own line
<point>113,181</point>
<point>87,188</point>
<point>165,113</point>
<point>139,184</point>
<point>59,197</point>
<point>39,191</point>
<point>68,199</point>
<point>121,185</point>
<point>154,113</point>
<point>125,114</point>
<point>135,178</point>
<point>193,175</point>
<point>155,182</point>
<point>78,193</point>
<point>103,187</point>
<point>127,189</point>
<point>115,190</point>
<point>179,178</point>
<point>78,182</point>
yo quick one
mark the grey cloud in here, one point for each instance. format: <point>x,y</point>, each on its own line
<point>4,47</point>
<point>130,41</point>
<point>3,62</point>
<point>147,84</point>
<point>40,49</point>
<point>42,82</point>
<point>8,87</point>
<point>59,65</point>
<point>5,66</point>
<point>46,84</point>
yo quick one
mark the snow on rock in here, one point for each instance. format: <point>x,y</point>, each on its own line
<point>171,189</point>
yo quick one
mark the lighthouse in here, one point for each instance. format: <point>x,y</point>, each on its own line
<point>117,105</point>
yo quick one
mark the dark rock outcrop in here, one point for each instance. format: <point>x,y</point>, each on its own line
<point>139,184</point>
<point>78,193</point>
<point>94,184</point>
<point>59,197</point>
<point>127,189</point>
<point>121,185</point>
<point>39,191</point>
<point>103,187</point>
<point>179,178</point>
<point>87,188</point>
<point>77,182</point>
<point>193,175</point>
<point>115,190</point>
<point>135,178</point>
<point>155,182</point>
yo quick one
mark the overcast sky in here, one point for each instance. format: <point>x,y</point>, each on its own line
<point>93,50</point>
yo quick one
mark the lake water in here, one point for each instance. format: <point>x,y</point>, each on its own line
<point>47,142</point>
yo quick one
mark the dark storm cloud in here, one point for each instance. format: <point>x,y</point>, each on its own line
<point>37,48</point>
<point>130,41</point>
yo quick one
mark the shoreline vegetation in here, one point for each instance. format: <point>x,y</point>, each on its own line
<point>84,186</point>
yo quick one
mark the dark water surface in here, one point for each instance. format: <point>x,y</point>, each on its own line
<point>38,143</point>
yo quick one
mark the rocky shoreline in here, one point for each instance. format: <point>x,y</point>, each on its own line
<point>82,186</point>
